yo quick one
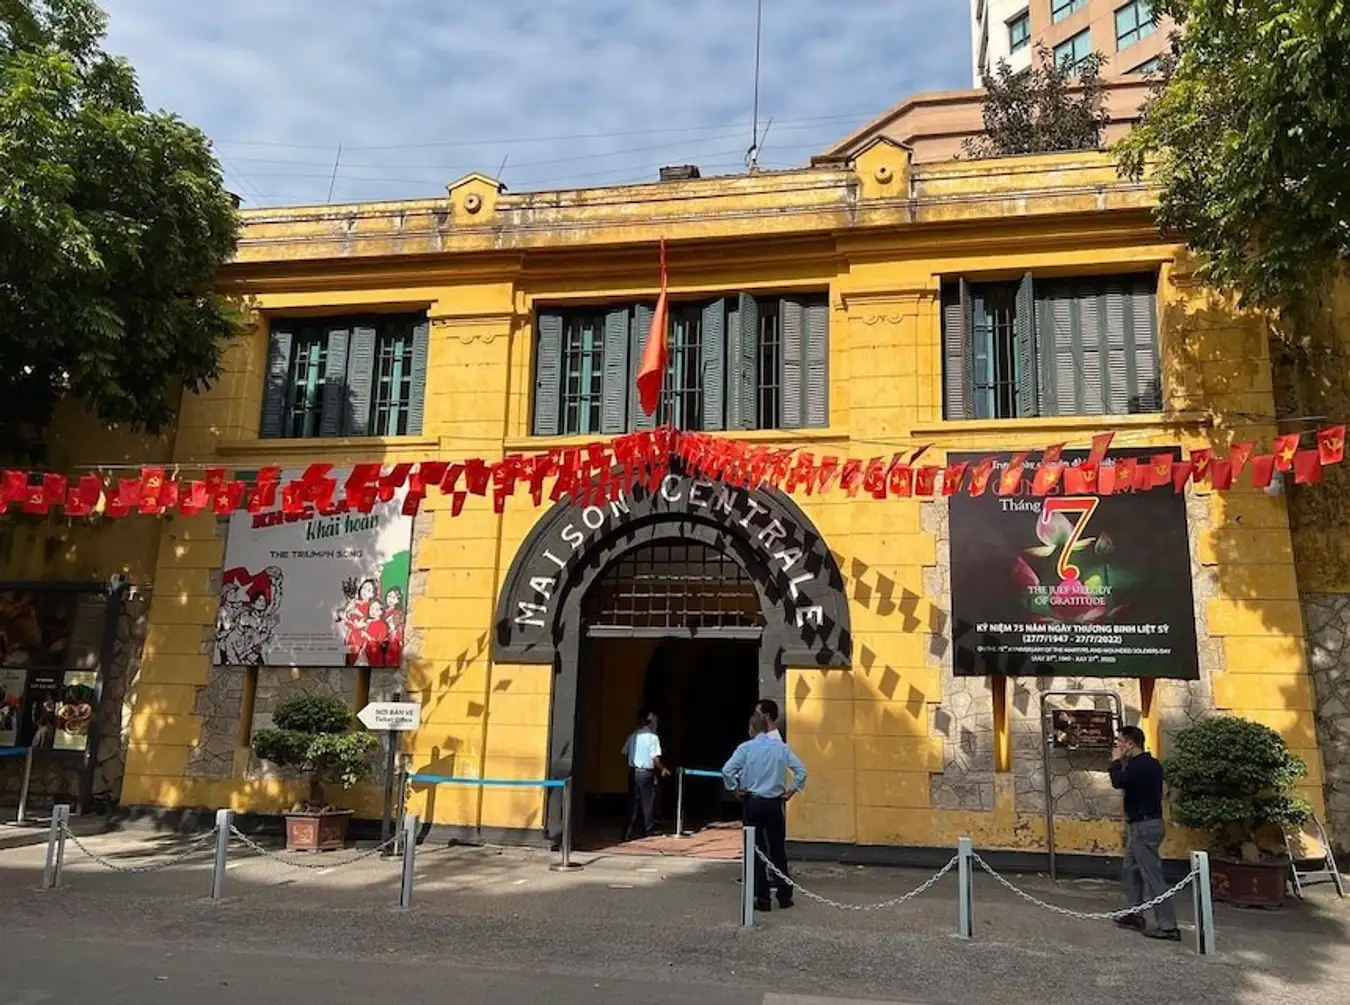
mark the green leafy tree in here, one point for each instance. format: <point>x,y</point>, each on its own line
<point>113,226</point>
<point>316,735</point>
<point>1052,106</point>
<point>1248,138</point>
<point>1229,776</point>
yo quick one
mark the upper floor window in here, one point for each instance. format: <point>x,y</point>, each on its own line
<point>1019,32</point>
<point>1073,51</point>
<point>1147,66</point>
<point>735,362</point>
<point>1060,9</point>
<point>1134,21</point>
<point>1050,347</point>
<point>345,377</point>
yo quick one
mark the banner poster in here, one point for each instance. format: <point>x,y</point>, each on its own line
<point>12,681</point>
<point>315,590</point>
<point>35,627</point>
<point>1075,586</point>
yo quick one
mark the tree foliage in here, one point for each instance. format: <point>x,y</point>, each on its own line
<point>1229,776</point>
<point>113,225</point>
<point>315,734</point>
<point>1050,107</point>
<point>1248,138</point>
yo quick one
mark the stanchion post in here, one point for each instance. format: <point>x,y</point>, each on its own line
<point>224,820</point>
<point>965,891</point>
<point>409,859</point>
<point>51,869</point>
<point>23,789</point>
<point>1201,893</point>
<point>565,845</point>
<point>747,876</point>
<point>679,803</point>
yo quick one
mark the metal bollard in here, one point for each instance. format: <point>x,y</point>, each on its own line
<point>409,860</point>
<point>56,847</point>
<point>747,876</point>
<point>224,820</point>
<point>965,889</point>
<point>679,803</point>
<point>23,790</point>
<point>1202,899</point>
<point>565,846</point>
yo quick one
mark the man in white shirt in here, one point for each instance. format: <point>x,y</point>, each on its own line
<point>643,752</point>
<point>769,709</point>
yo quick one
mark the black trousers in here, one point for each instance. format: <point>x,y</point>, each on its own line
<point>766,817</point>
<point>641,803</point>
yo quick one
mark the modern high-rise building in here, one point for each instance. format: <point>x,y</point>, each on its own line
<point>1124,31</point>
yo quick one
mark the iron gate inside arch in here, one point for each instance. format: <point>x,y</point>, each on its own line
<point>674,588</point>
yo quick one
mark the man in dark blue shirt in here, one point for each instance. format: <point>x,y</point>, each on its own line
<point>1139,776</point>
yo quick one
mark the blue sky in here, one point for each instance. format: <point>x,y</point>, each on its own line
<point>569,93</point>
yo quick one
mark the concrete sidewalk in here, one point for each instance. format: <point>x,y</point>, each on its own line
<point>625,917</point>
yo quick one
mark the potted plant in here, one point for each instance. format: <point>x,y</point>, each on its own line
<point>315,735</point>
<point>1232,777</point>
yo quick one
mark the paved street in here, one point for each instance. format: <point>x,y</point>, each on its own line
<point>497,926</point>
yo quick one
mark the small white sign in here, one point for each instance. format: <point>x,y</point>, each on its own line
<point>401,716</point>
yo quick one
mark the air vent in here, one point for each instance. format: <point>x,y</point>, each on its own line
<point>681,172</point>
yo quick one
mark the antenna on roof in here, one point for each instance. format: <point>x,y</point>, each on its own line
<point>752,154</point>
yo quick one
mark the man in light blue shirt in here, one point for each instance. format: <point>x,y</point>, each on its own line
<point>643,751</point>
<point>758,771</point>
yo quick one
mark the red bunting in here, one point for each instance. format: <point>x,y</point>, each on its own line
<point>1263,470</point>
<point>926,480</point>
<point>1285,448</point>
<point>1161,470</point>
<point>1221,474</point>
<point>1331,444</point>
<point>1200,462</point>
<point>1047,478</point>
<point>1181,474</point>
<point>1307,467</point>
<point>1100,444</point>
<point>952,478</point>
<point>1240,454</point>
<point>1011,480</point>
<point>902,480</point>
<point>979,477</point>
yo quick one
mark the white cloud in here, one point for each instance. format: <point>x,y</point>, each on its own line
<point>569,92</point>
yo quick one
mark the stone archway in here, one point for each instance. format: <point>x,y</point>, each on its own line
<point>539,612</point>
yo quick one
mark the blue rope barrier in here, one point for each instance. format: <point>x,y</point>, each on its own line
<point>13,751</point>
<point>546,783</point>
<point>700,773</point>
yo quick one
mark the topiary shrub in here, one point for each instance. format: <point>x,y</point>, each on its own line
<point>316,735</point>
<point>1229,776</point>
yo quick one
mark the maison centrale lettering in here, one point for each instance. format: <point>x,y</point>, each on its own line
<point>755,517</point>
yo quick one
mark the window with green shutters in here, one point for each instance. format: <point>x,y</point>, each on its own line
<point>345,377</point>
<point>732,362</point>
<point>1050,347</point>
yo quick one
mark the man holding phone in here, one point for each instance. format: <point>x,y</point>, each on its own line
<point>1139,776</point>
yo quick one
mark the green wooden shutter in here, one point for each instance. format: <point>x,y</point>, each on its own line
<point>1091,321</point>
<point>713,364</point>
<point>548,327</point>
<point>278,377</point>
<point>1118,376</point>
<point>958,350</point>
<point>360,376</point>
<point>1024,337</point>
<point>791,332</point>
<point>332,419</point>
<point>642,323</point>
<point>417,392</point>
<point>1143,316</point>
<point>816,356</point>
<point>614,392</point>
<point>743,364</point>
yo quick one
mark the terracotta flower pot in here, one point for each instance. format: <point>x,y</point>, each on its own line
<point>317,831</point>
<point>1248,884</point>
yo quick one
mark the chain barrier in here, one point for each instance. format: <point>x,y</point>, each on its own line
<point>1086,915</point>
<point>192,848</point>
<point>252,845</point>
<point>861,908</point>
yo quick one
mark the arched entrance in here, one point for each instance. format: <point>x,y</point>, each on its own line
<point>693,563</point>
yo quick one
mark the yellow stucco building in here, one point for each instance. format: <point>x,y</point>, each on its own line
<point>860,307</point>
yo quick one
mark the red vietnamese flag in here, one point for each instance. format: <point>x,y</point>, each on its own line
<point>652,372</point>
<point>1106,479</point>
<point>952,478</point>
<point>1201,459</point>
<point>1307,467</point>
<point>1263,470</point>
<point>1010,482</point>
<point>1331,444</point>
<point>902,480</point>
<point>1181,474</point>
<point>1100,444</point>
<point>1126,469</point>
<point>1285,447</point>
<point>1221,474</point>
<point>1047,477</point>
<point>926,480</point>
<point>1162,469</point>
<point>1052,453</point>
<point>979,477</point>
<point>1240,454</point>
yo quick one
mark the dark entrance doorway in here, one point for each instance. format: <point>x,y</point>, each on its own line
<point>674,628</point>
